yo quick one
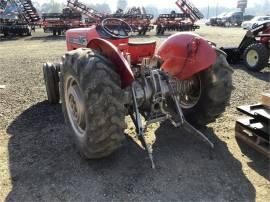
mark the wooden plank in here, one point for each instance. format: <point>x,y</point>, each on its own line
<point>266,99</point>
<point>252,140</point>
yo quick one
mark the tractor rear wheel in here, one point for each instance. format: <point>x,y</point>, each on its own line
<point>208,93</point>
<point>256,57</point>
<point>51,79</point>
<point>92,103</point>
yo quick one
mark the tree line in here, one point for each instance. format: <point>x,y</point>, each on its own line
<point>53,6</point>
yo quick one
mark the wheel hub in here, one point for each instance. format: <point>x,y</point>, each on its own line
<point>252,58</point>
<point>189,92</point>
<point>75,106</point>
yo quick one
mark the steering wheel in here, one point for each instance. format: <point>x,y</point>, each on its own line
<point>116,28</point>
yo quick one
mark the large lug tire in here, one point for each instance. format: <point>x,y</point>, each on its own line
<point>29,32</point>
<point>92,103</point>
<point>51,79</point>
<point>157,30</point>
<point>213,93</point>
<point>162,31</point>
<point>256,57</point>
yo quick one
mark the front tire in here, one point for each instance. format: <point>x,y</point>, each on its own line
<point>92,103</point>
<point>51,79</point>
<point>256,57</point>
<point>213,91</point>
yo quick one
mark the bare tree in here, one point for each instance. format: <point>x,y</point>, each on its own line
<point>122,4</point>
<point>52,7</point>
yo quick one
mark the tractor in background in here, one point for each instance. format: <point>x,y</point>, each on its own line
<point>104,77</point>
<point>253,50</point>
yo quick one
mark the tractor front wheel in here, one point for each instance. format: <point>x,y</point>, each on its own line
<point>207,93</point>
<point>51,79</point>
<point>256,57</point>
<point>92,103</point>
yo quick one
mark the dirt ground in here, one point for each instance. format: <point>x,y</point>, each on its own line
<point>38,161</point>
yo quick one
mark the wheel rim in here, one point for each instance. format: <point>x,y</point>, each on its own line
<point>252,58</point>
<point>189,92</point>
<point>75,106</point>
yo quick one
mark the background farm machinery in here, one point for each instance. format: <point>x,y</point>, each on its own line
<point>105,77</point>
<point>18,17</point>
<point>137,18</point>
<point>184,21</point>
<point>253,50</point>
<point>59,23</point>
<point>74,15</point>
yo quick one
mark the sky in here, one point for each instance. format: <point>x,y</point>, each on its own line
<point>166,3</point>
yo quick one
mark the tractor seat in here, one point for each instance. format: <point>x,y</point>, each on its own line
<point>142,43</point>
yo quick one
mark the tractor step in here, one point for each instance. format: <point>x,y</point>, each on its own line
<point>255,131</point>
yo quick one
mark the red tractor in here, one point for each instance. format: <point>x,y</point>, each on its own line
<point>254,49</point>
<point>105,77</point>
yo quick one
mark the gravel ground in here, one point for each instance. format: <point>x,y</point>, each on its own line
<point>38,161</point>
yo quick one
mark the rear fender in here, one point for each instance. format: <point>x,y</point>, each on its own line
<point>186,54</point>
<point>266,38</point>
<point>110,51</point>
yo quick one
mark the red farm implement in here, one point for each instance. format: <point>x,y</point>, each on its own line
<point>71,17</point>
<point>59,23</point>
<point>137,18</point>
<point>18,17</point>
<point>184,21</point>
